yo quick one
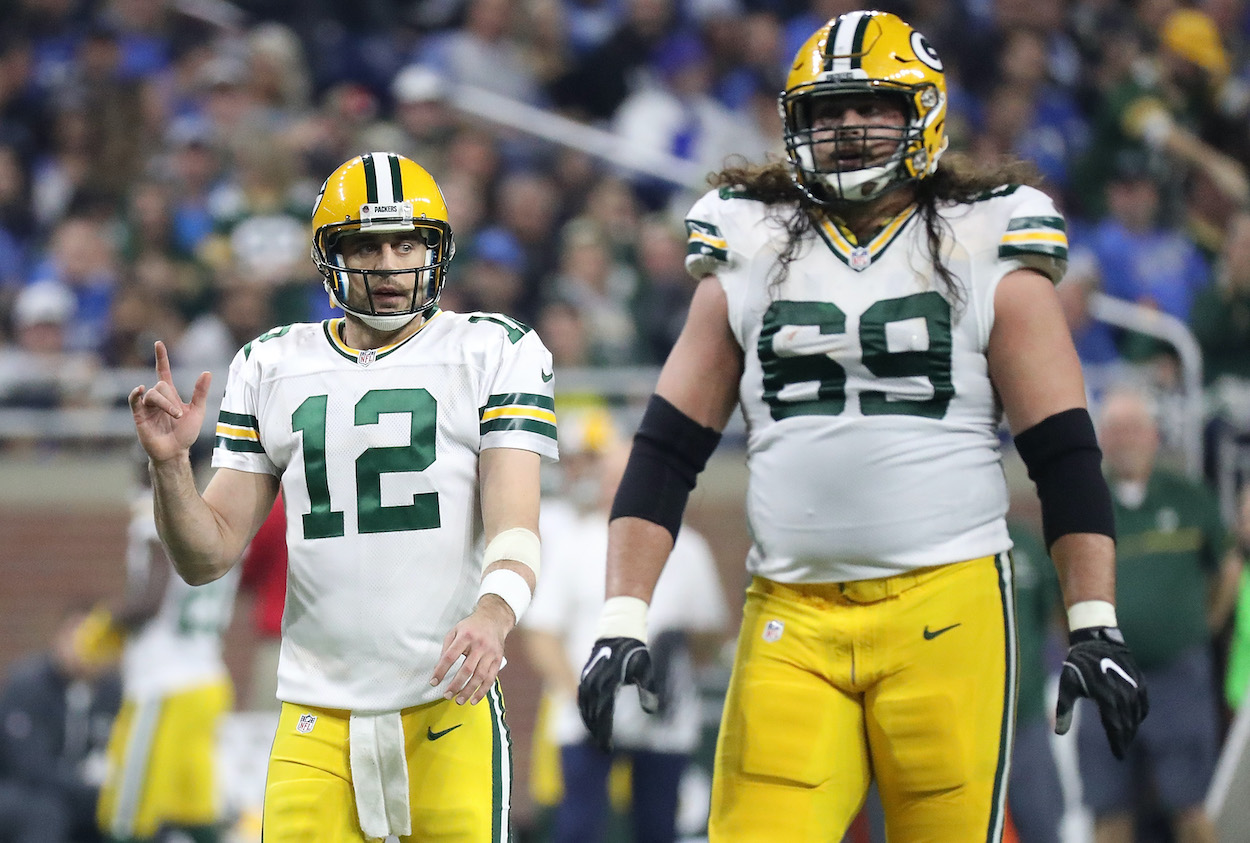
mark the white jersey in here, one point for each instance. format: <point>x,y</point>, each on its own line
<point>378,452</point>
<point>180,646</point>
<point>567,602</point>
<point>873,426</point>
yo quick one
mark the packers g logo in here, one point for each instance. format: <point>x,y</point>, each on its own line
<point>925,52</point>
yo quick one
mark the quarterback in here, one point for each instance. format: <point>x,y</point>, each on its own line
<point>407,443</point>
<point>873,309</point>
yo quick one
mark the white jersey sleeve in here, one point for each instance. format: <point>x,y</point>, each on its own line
<point>237,444</point>
<point>518,409</point>
<point>1017,227</point>
<point>1035,236</point>
<point>707,249</point>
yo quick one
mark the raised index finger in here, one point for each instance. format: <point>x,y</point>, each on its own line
<point>162,364</point>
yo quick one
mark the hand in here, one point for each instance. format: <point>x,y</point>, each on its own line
<point>613,662</point>
<point>1100,666</point>
<point>479,638</point>
<point>166,426</point>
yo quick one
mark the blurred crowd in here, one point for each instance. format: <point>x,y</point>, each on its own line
<point>158,160</point>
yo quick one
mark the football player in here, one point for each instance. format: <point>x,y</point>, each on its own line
<point>873,308</point>
<point>385,429</point>
<point>162,771</point>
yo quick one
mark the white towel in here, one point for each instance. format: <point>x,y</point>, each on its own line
<point>379,773</point>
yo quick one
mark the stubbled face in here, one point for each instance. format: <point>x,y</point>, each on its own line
<point>854,131</point>
<point>386,292</point>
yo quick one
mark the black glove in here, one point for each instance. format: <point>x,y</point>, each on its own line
<point>613,662</point>
<point>1100,666</point>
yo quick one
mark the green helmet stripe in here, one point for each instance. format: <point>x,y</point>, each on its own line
<point>397,179</point>
<point>371,179</point>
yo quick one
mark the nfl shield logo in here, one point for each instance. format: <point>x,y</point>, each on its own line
<point>306,723</point>
<point>367,356</point>
<point>773,630</point>
<point>860,259</point>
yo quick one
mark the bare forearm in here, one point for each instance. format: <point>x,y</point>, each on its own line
<point>1086,566</point>
<point>189,528</point>
<point>637,551</point>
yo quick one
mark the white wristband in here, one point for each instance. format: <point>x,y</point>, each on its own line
<point>516,544</point>
<point>511,587</point>
<point>623,617</point>
<point>1089,613</point>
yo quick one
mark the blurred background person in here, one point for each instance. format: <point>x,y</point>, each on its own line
<point>688,611</point>
<point>1034,793</point>
<point>162,754</point>
<point>1176,585</point>
<point>56,709</point>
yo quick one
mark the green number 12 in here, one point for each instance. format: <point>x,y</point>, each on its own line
<point>323,521</point>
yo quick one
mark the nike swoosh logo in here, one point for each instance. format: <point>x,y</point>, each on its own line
<point>433,735</point>
<point>1108,664</point>
<point>547,376</point>
<point>929,636</point>
<point>603,653</point>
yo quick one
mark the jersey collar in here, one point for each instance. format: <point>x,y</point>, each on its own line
<point>333,330</point>
<point>847,249</point>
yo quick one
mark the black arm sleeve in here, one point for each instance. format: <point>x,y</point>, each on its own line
<point>670,449</point>
<point>1063,458</point>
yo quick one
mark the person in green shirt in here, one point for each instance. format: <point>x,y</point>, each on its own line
<point>1176,583</point>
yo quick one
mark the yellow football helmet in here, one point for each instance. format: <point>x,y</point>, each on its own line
<point>381,193</point>
<point>858,53</point>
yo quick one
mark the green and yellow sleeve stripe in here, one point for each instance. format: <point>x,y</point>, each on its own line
<point>519,411</point>
<point>703,238</point>
<point>238,432</point>
<point>1035,236</point>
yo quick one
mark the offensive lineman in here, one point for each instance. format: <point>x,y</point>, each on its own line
<point>873,314</point>
<point>385,429</point>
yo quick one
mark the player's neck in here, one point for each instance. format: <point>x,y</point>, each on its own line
<point>867,219</point>
<point>356,334</point>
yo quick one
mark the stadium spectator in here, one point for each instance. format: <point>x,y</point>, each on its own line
<point>1155,105</point>
<point>1220,316</point>
<point>56,709</point>
<point>1139,259</point>
<point>826,313</point>
<point>82,257</point>
<point>493,279</point>
<point>1176,585</point>
<point>38,371</point>
<point>422,115</point>
<point>601,287</point>
<point>485,53</point>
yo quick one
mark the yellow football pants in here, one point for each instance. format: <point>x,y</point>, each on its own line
<point>162,762</point>
<point>459,774</point>
<point>909,680</point>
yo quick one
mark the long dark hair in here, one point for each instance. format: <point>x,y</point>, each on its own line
<point>958,179</point>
